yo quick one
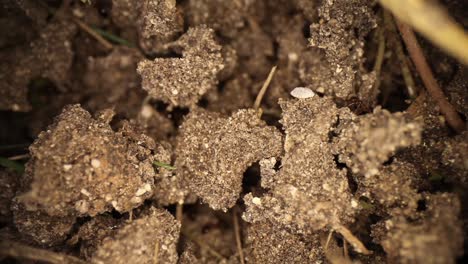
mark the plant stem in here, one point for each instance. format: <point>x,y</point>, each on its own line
<point>429,19</point>
<point>432,87</point>
<point>17,250</point>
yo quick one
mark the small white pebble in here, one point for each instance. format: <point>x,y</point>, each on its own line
<point>147,187</point>
<point>136,200</point>
<point>293,56</point>
<point>142,190</point>
<point>85,192</point>
<point>95,163</point>
<point>146,111</point>
<point>108,197</point>
<point>15,107</point>
<point>67,167</point>
<point>256,201</point>
<point>302,93</point>
<point>354,204</point>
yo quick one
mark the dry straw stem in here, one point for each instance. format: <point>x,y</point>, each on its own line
<point>156,253</point>
<point>94,34</point>
<point>398,46</point>
<point>238,236</point>
<point>180,212</point>
<point>262,92</point>
<point>416,54</point>
<point>17,250</point>
<point>434,23</point>
<point>354,241</point>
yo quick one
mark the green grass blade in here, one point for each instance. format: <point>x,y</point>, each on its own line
<point>16,166</point>
<point>164,165</point>
<point>111,37</point>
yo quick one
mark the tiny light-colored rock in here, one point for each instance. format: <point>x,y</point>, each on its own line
<point>302,93</point>
<point>95,163</point>
<point>67,167</point>
<point>256,201</point>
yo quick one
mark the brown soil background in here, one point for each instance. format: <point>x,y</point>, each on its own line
<point>129,134</point>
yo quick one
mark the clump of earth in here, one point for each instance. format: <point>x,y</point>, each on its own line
<point>132,132</point>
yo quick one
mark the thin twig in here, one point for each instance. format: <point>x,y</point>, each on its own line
<point>380,57</point>
<point>156,253</point>
<point>18,250</point>
<point>328,239</point>
<point>19,157</point>
<point>419,60</point>
<point>405,70</point>
<point>354,241</point>
<point>262,92</point>
<point>130,216</point>
<point>238,236</point>
<point>180,212</point>
<point>345,250</point>
<point>431,20</point>
<point>94,34</point>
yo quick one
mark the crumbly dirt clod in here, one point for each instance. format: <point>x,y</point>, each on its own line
<point>456,90</point>
<point>80,166</point>
<point>9,184</point>
<point>38,226</point>
<point>158,22</point>
<point>393,187</point>
<point>267,244</point>
<point>112,81</point>
<point>455,156</point>
<point>432,236</point>
<point>214,151</point>
<point>92,233</point>
<point>183,81</point>
<point>139,240</point>
<point>309,193</point>
<point>366,142</point>
<point>41,58</point>
<point>340,33</point>
<point>227,17</point>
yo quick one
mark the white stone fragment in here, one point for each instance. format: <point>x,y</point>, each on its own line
<point>142,190</point>
<point>67,167</point>
<point>256,201</point>
<point>302,93</point>
<point>95,163</point>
